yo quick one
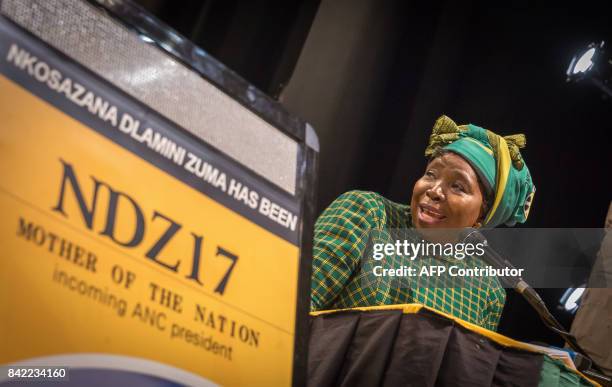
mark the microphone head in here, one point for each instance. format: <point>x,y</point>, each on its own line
<point>472,235</point>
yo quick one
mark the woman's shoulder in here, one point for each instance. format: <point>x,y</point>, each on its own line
<point>365,198</point>
<point>373,203</point>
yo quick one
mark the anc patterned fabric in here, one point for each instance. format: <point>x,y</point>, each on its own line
<point>342,265</point>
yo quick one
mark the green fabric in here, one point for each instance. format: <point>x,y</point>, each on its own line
<point>554,373</point>
<point>483,149</point>
<point>477,157</point>
<point>340,279</point>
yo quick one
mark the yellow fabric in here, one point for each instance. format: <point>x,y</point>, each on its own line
<point>515,143</point>
<point>503,170</point>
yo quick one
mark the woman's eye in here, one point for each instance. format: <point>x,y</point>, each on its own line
<point>429,174</point>
<point>458,187</point>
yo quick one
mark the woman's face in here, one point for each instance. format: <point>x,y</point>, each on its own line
<point>448,195</point>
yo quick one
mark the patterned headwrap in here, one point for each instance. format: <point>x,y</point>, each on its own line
<point>498,162</point>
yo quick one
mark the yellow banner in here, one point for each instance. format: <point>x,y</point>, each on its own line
<point>104,252</point>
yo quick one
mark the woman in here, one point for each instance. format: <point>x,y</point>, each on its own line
<point>474,178</point>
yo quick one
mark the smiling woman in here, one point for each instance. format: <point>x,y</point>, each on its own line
<point>474,178</point>
<point>448,195</point>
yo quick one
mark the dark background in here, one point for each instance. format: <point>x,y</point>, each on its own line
<point>372,77</point>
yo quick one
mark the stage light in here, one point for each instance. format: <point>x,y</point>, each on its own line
<point>570,298</point>
<point>593,64</point>
<point>583,64</point>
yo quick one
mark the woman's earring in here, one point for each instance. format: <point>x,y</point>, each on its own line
<point>478,225</point>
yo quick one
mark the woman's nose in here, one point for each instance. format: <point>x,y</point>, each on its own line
<point>435,192</point>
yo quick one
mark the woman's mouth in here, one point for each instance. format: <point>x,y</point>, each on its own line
<point>429,214</point>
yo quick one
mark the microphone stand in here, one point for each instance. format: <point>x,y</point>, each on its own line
<point>536,302</point>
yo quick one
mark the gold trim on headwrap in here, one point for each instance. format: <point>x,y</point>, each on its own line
<point>514,143</point>
<point>502,150</point>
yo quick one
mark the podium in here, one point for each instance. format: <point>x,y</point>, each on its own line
<point>412,345</point>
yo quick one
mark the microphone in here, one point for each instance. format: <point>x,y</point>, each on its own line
<point>473,236</point>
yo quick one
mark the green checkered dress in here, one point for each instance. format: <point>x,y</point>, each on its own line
<point>342,265</point>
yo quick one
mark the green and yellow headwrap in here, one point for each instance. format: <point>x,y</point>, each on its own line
<point>497,160</point>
